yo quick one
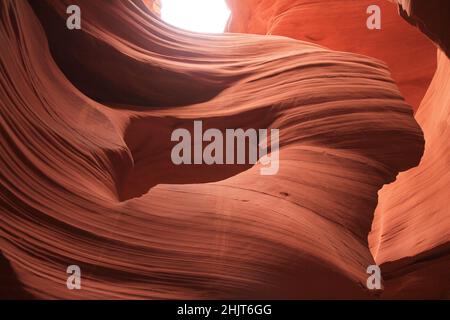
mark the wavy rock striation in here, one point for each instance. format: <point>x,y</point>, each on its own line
<point>410,236</point>
<point>341,25</point>
<point>411,231</point>
<point>86,173</point>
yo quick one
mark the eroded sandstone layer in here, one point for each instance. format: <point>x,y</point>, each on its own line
<point>341,25</point>
<point>411,230</point>
<point>87,178</point>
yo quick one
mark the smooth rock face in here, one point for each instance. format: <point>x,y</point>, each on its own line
<point>154,6</point>
<point>431,17</point>
<point>86,124</point>
<point>411,229</point>
<point>412,220</point>
<point>341,25</point>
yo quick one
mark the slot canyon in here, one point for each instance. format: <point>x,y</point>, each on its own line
<point>363,165</point>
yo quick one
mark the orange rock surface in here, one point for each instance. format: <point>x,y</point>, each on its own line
<point>341,25</point>
<point>87,179</point>
<point>412,220</point>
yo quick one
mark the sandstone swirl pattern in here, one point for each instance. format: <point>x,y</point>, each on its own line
<point>411,230</point>
<point>86,119</point>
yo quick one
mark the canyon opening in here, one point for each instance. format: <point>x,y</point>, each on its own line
<point>207,16</point>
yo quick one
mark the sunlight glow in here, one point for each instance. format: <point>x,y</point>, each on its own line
<point>209,16</point>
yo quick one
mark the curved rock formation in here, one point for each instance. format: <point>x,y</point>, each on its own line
<point>410,236</point>
<point>154,6</point>
<point>431,17</point>
<point>341,25</point>
<point>86,173</point>
<point>411,230</point>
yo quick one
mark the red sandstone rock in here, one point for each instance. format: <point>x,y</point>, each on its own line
<point>412,218</point>
<point>431,17</point>
<point>85,147</point>
<point>341,25</point>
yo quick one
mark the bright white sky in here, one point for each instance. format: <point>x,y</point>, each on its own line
<point>208,16</point>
